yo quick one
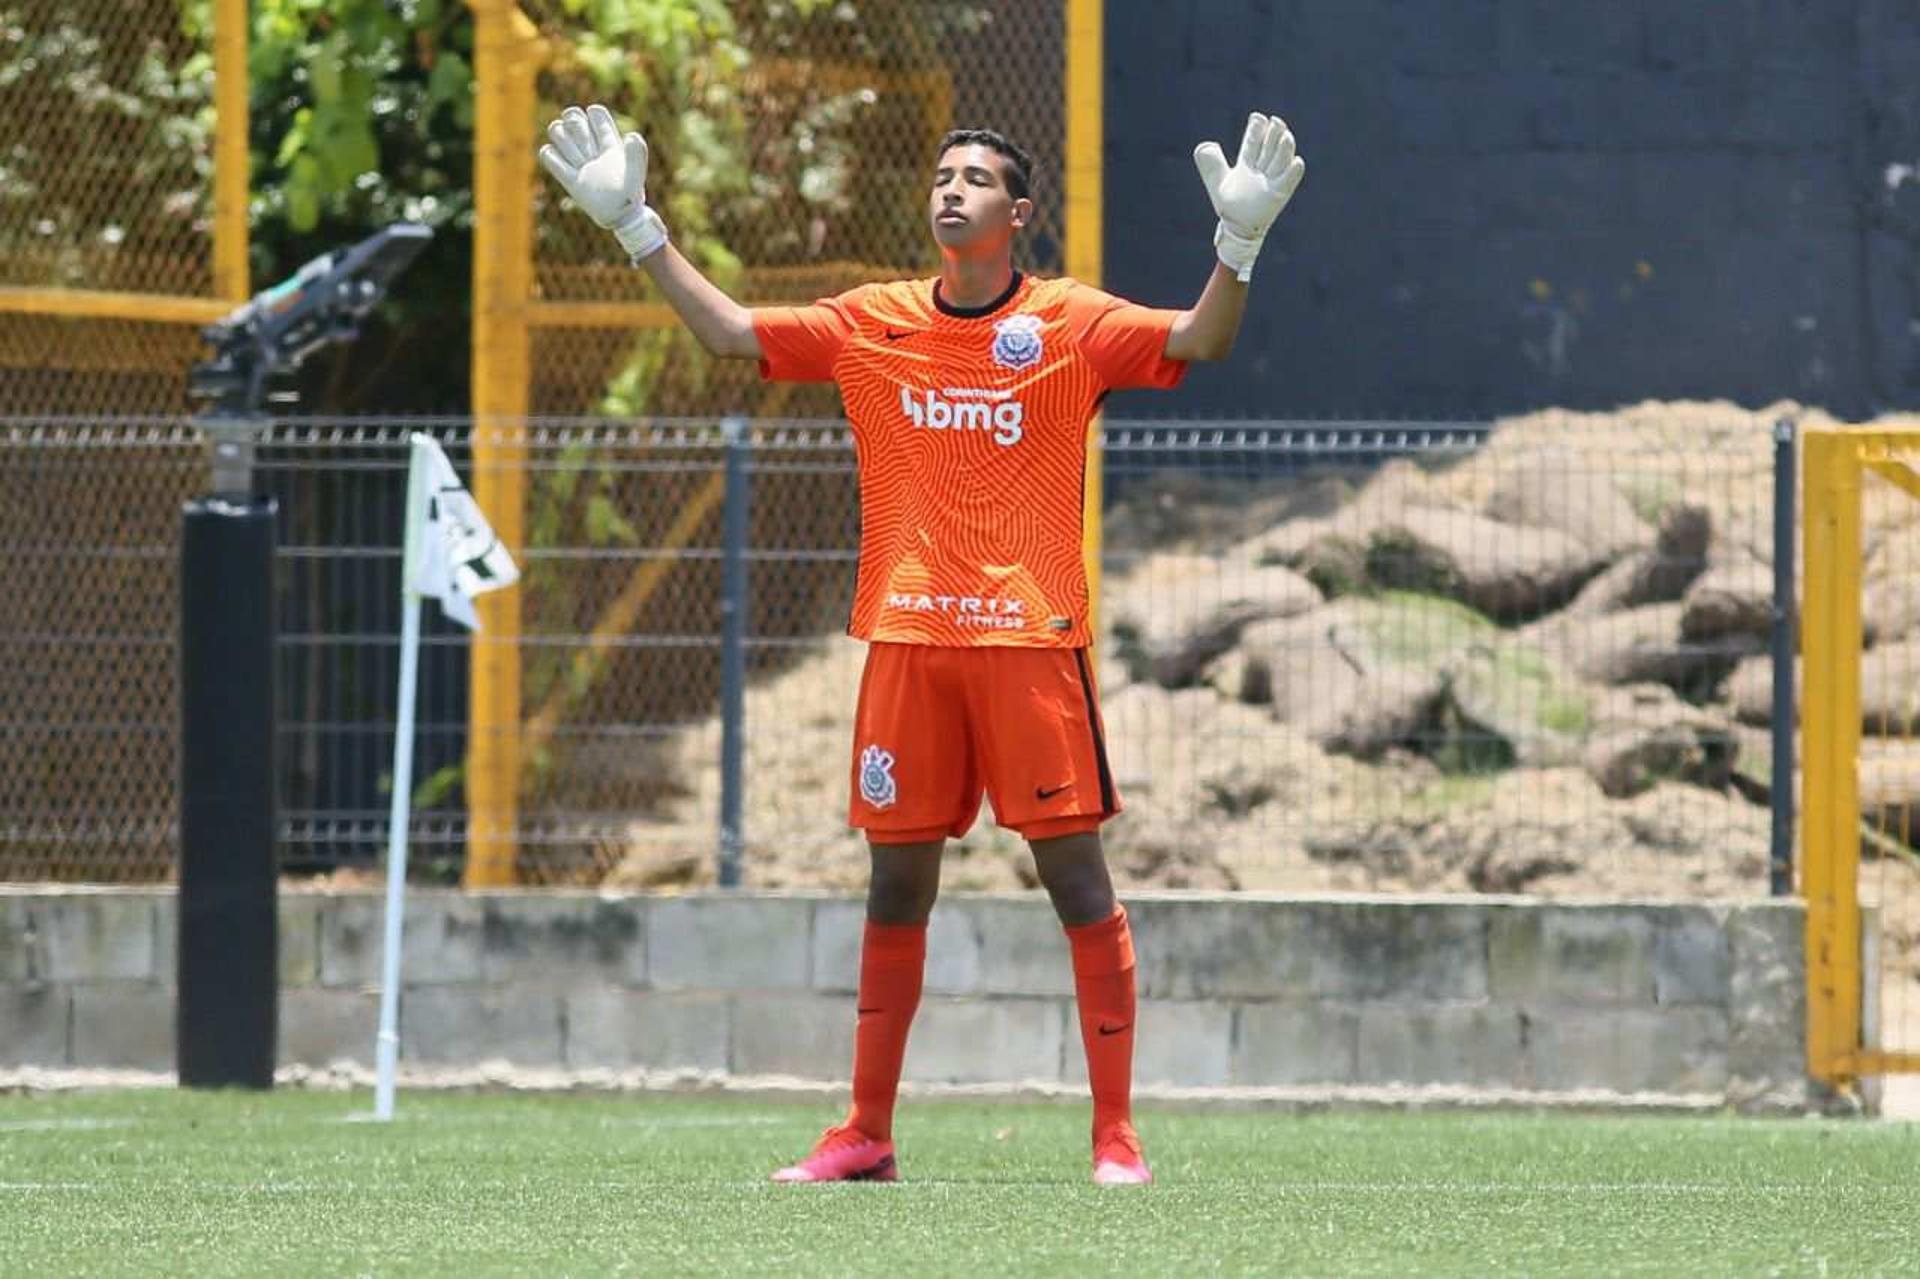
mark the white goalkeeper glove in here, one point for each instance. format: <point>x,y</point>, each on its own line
<point>1250,195</point>
<point>606,175</point>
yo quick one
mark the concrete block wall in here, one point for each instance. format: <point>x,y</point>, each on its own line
<point>1492,995</point>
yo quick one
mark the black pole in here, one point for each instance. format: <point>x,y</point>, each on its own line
<point>228,976</point>
<point>227,1000</point>
<point>1780,792</point>
<point>733,652</point>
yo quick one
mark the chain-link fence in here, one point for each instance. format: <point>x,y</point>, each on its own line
<point>89,696</point>
<point>1447,658</point>
<point>619,648</point>
<point>805,171</point>
<point>106,166</point>
<point>1335,656</point>
<point>620,640</point>
<point>111,252</point>
<point>802,170</point>
<point>1365,656</point>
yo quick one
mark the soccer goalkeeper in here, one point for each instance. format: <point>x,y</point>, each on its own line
<point>970,396</point>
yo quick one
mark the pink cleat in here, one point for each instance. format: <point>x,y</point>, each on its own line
<point>1118,1159</point>
<point>844,1154</point>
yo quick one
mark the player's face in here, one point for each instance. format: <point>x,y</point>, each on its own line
<point>970,206</point>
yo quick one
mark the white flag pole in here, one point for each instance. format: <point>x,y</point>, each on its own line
<point>387,1043</point>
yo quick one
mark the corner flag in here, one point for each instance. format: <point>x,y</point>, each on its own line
<point>452,555</point>
<point>459,557</point>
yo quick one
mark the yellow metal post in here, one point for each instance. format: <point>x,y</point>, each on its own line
<point>1085,145</point>
<point>98,304</point>
<point>507,51</point>
<point>230,177</point>
<point>1830,724</point>
<point>1085,138</point>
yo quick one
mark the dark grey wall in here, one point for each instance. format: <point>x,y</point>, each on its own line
<point>1515,203</point>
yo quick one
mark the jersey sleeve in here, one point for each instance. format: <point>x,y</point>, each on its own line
<point>1125,342</point>
<point>801,343</point>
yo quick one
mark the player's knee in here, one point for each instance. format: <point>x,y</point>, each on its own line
<point>904,885</point>
<point>1083,901</point>
<point>1075,877</point>
<point>900,903</point>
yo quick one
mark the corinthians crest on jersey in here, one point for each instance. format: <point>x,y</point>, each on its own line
<point>1016,342</point>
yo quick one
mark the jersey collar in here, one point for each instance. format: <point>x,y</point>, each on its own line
<point>975,312</point>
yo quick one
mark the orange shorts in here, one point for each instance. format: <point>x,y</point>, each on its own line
<point>937,727</point>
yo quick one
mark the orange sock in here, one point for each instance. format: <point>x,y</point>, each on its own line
<point>1103,980</point>
<point>892,959</point>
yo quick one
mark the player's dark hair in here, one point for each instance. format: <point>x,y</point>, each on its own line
<point>1019,167</point>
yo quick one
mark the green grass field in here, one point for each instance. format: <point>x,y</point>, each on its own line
<point>289,1183</point>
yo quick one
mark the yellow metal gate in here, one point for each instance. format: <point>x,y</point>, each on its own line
<point>1860,721</point>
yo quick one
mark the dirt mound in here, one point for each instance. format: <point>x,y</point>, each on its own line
<point>1509,673</point>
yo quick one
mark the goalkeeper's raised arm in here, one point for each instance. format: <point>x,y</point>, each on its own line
<point>1248,197</point>
<point>606,174</point>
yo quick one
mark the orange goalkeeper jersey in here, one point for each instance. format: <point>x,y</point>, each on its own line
<point>971,430</point>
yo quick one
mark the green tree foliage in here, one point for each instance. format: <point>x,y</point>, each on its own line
<point>362,114</point>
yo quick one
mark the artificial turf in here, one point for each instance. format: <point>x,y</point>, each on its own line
<point>297,1183</point>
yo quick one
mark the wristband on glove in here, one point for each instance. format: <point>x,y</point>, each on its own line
<point>642,235</point>
<point>1237,252</point>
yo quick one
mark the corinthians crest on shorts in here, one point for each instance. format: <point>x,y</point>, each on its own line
<point>876,777</point>
<point>1016,342</point>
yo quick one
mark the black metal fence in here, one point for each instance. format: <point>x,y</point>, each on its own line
<point>1334,655</point>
